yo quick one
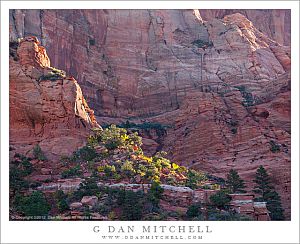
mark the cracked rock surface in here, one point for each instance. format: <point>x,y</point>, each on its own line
<point>219,78</point>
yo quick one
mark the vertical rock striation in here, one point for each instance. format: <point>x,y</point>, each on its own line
<point>219,78</point>
<point>46,107</point>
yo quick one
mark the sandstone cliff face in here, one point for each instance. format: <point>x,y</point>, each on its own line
<point>275,23</point>
<point>45,109</point>
<point>219,79</point>
<point>130,62</point>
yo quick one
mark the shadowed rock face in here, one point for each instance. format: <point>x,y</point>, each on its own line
<point>130,62</point>
<point>45,109</point>
<point>221,80</point>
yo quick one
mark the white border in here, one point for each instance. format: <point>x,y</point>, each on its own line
<point>81,232</point>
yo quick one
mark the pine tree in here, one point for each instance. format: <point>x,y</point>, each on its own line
<point>266,193</point>
<point>234,182</point>
<point>274,206</point>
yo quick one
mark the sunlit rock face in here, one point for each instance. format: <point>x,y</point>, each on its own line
<point>44,109</point>
<point>143,62</point>
<point>219,78</point>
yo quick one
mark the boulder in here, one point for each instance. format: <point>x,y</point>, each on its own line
<point>75,205</point>
<point>46,171</point>
<point>90,201</point>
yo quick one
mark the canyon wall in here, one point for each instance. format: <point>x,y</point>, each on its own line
<point>219,78</point>
<point>130,62</point>
<point>46,108</point>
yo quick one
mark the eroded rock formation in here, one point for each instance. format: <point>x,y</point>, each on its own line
<point>130,62</point>
<point>219,79</point>
<point>46,107</point>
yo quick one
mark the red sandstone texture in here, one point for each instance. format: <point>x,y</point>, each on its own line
<point>219,78</point>
<point>51,113</point>
<point>130,62</point>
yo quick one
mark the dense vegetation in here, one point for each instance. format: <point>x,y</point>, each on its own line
<point>54,74</point>
<point>266,193</point>
<point>33,205</point>
<point>159,128</point>
<point>202,43</point>
<point>113,155</point>
<point>118,156</point>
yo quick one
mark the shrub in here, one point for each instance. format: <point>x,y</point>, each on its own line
<point>17,172</point>
<point>113,137</point>
<point>155,216</point>
<point>194,178</point>
<point>24,166</point>
<point>194,210</point>
<point>38,153</point>
<point>128,169</point>
<point>61,201</point>
<point>159,128</point>
<point>109,170</point>
<point>53,75</point>
<point>16,180</point>
<point>171,180</point>
<point>33,205</point>
<point>220,199</point>
<point>202,43</point>
<point>233,130</point>
<point>182,169</point>
<point>155,194</point>
<point>92,42</point>
<point>131,205</point>
<point>112,215</point>
<point>248,97</point>
<point>152,173</point>
<point>75,171</point>
<point>86,153</point>
<point>274,147</point>
<point>104,209</point>
<point>228,216</point>
<point>165,163</point>
<point>88,187</point>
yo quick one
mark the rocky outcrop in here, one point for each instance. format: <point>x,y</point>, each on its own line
<point>275,23</point>
<point>89,201</point>
<point>143,62</point>
<point>46,107</point>
<point>219,78</point>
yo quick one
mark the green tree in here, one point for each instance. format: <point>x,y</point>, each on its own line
<point>61,201</point>
<point>220,199</point>
<point>263,184</point>
<point>265,191</point>
<point>194,178</point>
<point>128,169</point>
<point>194,211</point>
<point>274,206</point>
<point>38,153</point>
<point>74,171</point>
<point>131,204</point>
<point>155,194</point>
<point>114,137</point>
<point>234,182</point>
<point>19,169</point>
<point>33,205</point>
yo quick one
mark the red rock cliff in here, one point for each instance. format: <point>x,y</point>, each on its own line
<point>130,62</point>
<point>220,79</point>
<point>46,107</point>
